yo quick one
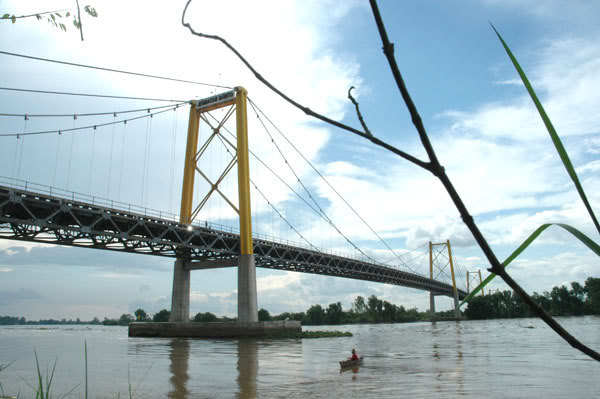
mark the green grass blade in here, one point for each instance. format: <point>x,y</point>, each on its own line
<point>86,370</point>
<point>129,383</point>
<point>40,389</point>
<point>49,380</point>
<point>553,135</point>
<point>578,234</point>
<point>4,367</point>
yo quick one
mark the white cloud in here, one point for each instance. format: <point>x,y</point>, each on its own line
<point>118,275</point>
<point>6,270</point>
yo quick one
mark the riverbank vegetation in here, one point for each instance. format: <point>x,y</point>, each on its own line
<point>578,300</point>
<point>560,301</point>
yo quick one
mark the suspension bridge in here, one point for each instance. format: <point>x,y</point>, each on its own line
<point>228,187</point>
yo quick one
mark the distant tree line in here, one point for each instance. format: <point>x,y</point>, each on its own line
<point>372,310</point>
<point>560,301</point>
<point>11,320</point>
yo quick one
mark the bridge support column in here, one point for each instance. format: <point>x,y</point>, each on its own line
<point>180,298</point>
<point>247,303</point>
<point>432,305</point>
<point>455,291</point>
<point>456,303</point>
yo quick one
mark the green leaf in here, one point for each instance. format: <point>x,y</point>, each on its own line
<point>68,14</point>
<point>58,15</point>
<point>38,17</point>
<point>76,23</point>
<point>91,10</point>
<point>553,135</point>
<point>52,16</point>
<point>63,27</point>
<point>578,234</point>
<point>6,16</point>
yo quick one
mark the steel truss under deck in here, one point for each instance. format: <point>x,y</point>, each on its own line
<point>30,216</point>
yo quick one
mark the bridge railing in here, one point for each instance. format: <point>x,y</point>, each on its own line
<point>155,213</point>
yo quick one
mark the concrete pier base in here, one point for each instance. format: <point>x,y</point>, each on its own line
<point>180,298</point>
<point>456,303</point>
<point>215,330</point>
<point>247,307</point>
<point>432,305</point>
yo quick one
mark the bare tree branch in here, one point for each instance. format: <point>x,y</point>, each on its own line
<point>360,118</point>
<point>79,20</point>
<point>438,170</point>
<point>35,15</point>
<point>306,110</point>
<point>433,165</point>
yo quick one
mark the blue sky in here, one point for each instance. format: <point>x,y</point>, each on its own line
<point>482,125</point>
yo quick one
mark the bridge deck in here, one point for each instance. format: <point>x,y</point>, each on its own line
<point>30,216</point>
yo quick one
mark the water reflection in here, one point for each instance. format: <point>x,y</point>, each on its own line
<point>179,355</point>
<point>447,351</point>
<point>247,366</point>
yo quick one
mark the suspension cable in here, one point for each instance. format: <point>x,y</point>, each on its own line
<point>122,158</point>
<point>112,147</point>
<point>64,93</point>
<point>173,141</point>
<point>113,70</point>
<point>255,107</point>
<point>56,159</point>
<point>70,151</point>
<point>22,145</point>
<point>321,213</point>
<point>92,161</point>
<point>89,126</point>
<point>324,215</point>
<point>114,113</point>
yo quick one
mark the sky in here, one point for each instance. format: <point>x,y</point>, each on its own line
<point>480,120</point>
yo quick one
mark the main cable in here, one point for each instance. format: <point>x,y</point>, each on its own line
<point>114,113</point>
<point>89,95</point>
<point>85,127</point>
<point>113,70</point>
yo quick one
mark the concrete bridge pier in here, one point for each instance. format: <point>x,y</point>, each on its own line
<point>456,303</point>
<point>247,303</point>
<point>432,304</point>
<point>180,298</point>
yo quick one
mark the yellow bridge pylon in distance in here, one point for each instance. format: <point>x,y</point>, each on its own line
<point>472,280</point>
<point>440,260</point>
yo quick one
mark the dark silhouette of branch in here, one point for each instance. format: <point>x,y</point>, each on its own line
<point>438,170</point>
<point>34,15</point>
<point>432,166</point>
<point>79,20</point>
<point>304,109</point>
<point>360,117</point>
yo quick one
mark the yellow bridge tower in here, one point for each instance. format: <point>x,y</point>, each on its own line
<point>236,99</point>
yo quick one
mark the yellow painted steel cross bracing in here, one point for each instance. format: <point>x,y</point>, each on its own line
<point>237,99</point>
<point>432,261</point>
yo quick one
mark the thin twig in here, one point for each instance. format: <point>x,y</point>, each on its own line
<point>36,14</point>
<point>438,170</point>
<point>360,117</point>
<point>79,20</point>
<point>304,109</point>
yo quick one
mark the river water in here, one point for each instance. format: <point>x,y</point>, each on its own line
<point>519,358</point>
